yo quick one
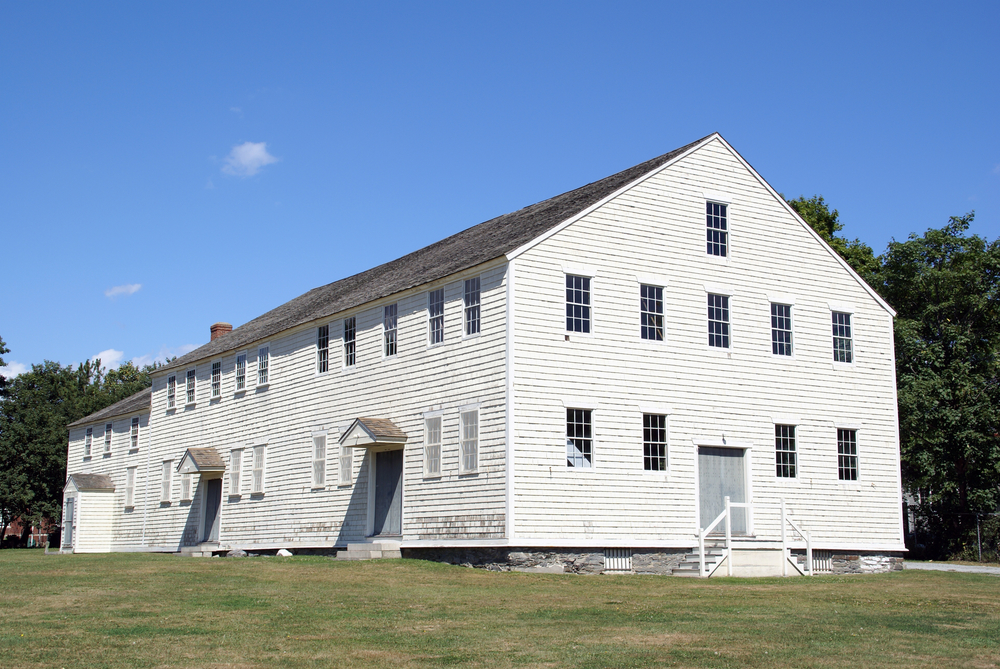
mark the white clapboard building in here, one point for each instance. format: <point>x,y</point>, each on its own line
<point>581,384</point>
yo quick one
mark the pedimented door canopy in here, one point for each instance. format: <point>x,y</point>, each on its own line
<point>372,432</point>
<point>204,461</point>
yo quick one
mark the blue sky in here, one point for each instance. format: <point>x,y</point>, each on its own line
<point>167,165</point>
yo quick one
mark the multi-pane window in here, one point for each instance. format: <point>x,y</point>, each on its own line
<point>847,454</point>
<point>350,333</point>
<point>171,392</point>
<point>88,442</point>
<point>577,303</point>
<point>190,386</point>
<point>133,434</point>
<point>784,450</point>
<point>165,482</point>
<point>185,487</point>
<point>717,223</point>
<point>130,487</point>
<point>241,372</point>
<point>258,469</point>
<point>843,350</point>
<point>216,379</point>
<point>263,364</point>
<point>435,316</point>
<point>346,464</point>
<point>651,310</point>
<point>654,442</point>
<point>235,464</point>
<point>781,329</point>
<point>470,441</point>
<point>718,320</point>
<point>579,438</point>
<point>323,348</point>
<point>319,461</point>
<point>107,437</point>
<point>472,306</point>
<point>432,446</point>
<point>389,330</point>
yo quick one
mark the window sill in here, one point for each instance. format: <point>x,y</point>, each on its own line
<point>720,351</point>
<point>432,477</point>
<point>215,400</point>
<point>87,458</point>
<point>190,405</point>
<point>477,335</point>
<point>234,496</point>
<point>164,503</point>
<point>721,260</point>
<point>105,456</point>
<point>317,487</point>
<point>843,365</point>
<point>471,472</point>
<point>257,495</point>
<point>129,508</point>
<point>133,451</point>
<point>185,502</point>
<point>171,410</point>
<point>579,335</point>
<point>239,393</point>
<point>262,386</point>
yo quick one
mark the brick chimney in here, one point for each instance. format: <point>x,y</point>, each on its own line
<point>219,329</point>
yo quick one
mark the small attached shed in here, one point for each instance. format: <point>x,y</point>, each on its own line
<point>88,503</point>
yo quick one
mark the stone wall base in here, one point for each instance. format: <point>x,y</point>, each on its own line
<point>552,560</point>
<point>865,563</point>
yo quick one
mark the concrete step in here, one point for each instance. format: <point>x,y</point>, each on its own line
<point>374,550</point>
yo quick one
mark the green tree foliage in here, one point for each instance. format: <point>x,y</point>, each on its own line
<point>3,349</point>
<point>34,412</point>
<point>826,223</point>
<point>945,287</point>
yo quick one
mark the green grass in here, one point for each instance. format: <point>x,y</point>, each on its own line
<point>125,610</point>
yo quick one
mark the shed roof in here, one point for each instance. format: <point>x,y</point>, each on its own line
<point>474,246</point>
<point>138,402</point>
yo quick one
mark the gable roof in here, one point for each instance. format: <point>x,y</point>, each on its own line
<point>90,482</point>
<point>201,460</point>
<point>138,402</point>
<point>474,246</point>
<point>373,431</point>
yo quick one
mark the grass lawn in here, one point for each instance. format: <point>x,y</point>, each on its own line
<point>129,610</point>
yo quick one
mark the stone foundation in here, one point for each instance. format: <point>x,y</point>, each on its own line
<point>561,560</point>
<point>866,563</point>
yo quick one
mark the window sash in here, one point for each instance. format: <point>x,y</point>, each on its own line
<point>718,320</point>
<point>847,454</point>
<point>241,372</point>
<point>435,316</point>
<point>579,438</point>
<point>389,330</point>
<point>129,487</point>
<point>784,451</point>
<point>577,303</point>
<point>258,469</point>
<point>235,462</point>
<point>171,392</point>
<point>432,446</point>
<point>717,229</point>
<point>107,437</point>
<point>472,299</point>
<point>323,349</point>
<point>165,482</point>
<point>134,433</point>
<point>346,465</point>
<point>319,461</point>
<point>781,329</point>
<point>843,349</point>
<point>651,311</point>
<point>263,364</point>
<point>185,487</point>
<point>470,441</point>
<point>217,379</point>
<point>350,333</point>
<point>88,441</point>
<point>654,442</point>
<point>189,386</point>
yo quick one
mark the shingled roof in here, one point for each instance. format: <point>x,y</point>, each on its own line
<point>138,402</point>
<point>471,247</point>
<point>91,481</point>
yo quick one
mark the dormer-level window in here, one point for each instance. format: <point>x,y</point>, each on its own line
<point>171,392</point>
<point>651,309</point>
<point>263,364</point>
<point>107,437</point>
<point>843,341</point>
<point>472,306</point>
<point>190,386</point>
<point>717,221</point>
<point>322,349</point>
<point>88,442</point>
<point>718,320</point>
<point>350,333</point>
<point>216,379</point>
<point>134,433</point>
<point>241,372</point>
<point>435,316</point>
<point>577,303</point>
<point>389,330</point>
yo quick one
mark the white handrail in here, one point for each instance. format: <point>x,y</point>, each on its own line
<point>784,542</point>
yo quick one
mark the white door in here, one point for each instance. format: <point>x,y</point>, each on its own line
<point>721,474</point>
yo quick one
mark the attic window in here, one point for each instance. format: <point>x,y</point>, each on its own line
<point>322,349</point>
<point>263,362</point>
<point>577,303</point>
<point>435,316</point>
<point>171,392</point>
<point>350,333</point>
<point>190,386</point>
<point>107,437</point>
<point>389,330</point>
<point>717,221</point>
<point>472,306</point>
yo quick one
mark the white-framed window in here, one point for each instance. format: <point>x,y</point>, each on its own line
<point>130,487</point>
<point>784,451</point>
<point>216,379</point>
<point>717,227</point>
<point>108,428</point>
<point>718,320</point>
<point>322,349</point>
<point>577,303</point>
<point>235,466</point>
<point>469,423</point>
<point>651,311</point>
<point>133,434</point>
<point>240,369</point>
<point>579,438</point>
<point>319,461</point>
<point>258,470</point>
<point>435,316</point>
<point>345,465</point>
<point>781,329</point>
<point>389,330</point>
<point>847,454</point>
<point>88,442</point>
<point>189,386</point>
<point>432,446</point>
<point>263,364</point>
<point>654,442</point>
<point>843,340</point>
<point>350,338</point>
<point>165,481</point>
<point>171,392</point>
<point>185,487</point>
<point>471,301</point>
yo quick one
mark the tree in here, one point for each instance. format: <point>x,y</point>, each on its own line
<point>945,287</point>
<point>826,223</point>
<point>3,381</point>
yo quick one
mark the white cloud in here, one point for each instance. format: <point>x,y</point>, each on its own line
<point>996,169</point>
<point>109,358</point>
<point>236,110</point>
<point>12,369</point>
<point>126,289</point>
<point>164,353</point>
<point>210,185</point>
<point>246,159</point>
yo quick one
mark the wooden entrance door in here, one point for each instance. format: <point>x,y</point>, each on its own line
<point>213,502</point>
<point>721,473</point>
<point>67,539</point>
<point>388,493</point>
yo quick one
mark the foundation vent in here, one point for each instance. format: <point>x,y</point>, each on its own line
<point>617,559</point>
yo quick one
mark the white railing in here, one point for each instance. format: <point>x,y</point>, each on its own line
<point>726,516</point>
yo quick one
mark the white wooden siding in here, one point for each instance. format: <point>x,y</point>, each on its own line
<point>94,524</point>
